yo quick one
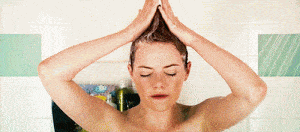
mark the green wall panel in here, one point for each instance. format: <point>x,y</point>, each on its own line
<point>279,55</point>
<point>20,54</point>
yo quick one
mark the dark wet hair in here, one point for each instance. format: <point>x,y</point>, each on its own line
<point>158,31</point>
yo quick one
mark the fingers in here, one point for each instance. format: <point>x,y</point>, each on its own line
<point>143,19</point>
<point>166,18</point>
<point>163,13</point>
<point>171,20</point>
<point>151,4</point>
<point>150,7</point>
<point>166,11</point>
<point>166,6</point>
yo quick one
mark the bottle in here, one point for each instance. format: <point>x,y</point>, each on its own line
<point>110,102</point>
<point>123,90</point>
<point>101,97</point>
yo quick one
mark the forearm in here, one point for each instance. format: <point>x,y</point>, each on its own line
<point>67,63</point>
<point>242,80</point>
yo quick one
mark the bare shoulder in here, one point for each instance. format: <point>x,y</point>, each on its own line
<point>195,119</point>
<point>198,110</point>
<point>219,113</point>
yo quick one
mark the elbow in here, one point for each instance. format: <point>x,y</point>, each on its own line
<point>42,70</point>
<point>262,90</point>
<point>48,72</point>
<point>258,94</point>
<point>45,71</point>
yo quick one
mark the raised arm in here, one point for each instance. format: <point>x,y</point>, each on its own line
<point>67,63</point>
<point>248,89</point>
<point>57,72</point>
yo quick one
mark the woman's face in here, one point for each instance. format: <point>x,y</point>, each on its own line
<point>158,74</point>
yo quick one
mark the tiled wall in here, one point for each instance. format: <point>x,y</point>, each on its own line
<point>279,55</point>
<point>21,54</point>
<point>233,25</point>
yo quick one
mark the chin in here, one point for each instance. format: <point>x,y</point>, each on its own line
<point>161,107</point>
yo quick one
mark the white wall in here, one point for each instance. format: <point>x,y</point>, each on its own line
<point>232,24</point>
<point>1,29</point>
<point>26,105</point>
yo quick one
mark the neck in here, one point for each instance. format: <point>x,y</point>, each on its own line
<point>161,120</point>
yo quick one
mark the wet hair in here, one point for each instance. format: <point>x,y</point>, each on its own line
<point>158,31</point>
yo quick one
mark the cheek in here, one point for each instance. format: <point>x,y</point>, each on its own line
<point>142,85</point>
<point>176,84</point>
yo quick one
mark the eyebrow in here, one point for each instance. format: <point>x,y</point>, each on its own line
<point>145,67</point>
<point>163,67</point>
<point>171,65</point>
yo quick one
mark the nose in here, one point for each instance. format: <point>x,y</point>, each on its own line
<point>159,81</point>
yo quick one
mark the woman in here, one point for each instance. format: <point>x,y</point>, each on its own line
<point>158,67</point>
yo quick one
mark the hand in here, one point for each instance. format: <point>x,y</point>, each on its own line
<point>184,34</point>
<point>144,18</point>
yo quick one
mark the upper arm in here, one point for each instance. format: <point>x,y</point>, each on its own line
<point>220,113</point>
<point>89,112</point>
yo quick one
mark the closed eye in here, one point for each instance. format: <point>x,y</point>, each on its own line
<point>174,74</point>
<point>145,75</point>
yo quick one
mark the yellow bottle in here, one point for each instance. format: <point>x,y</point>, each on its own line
<point>123,90</point>
<point>101,97</point>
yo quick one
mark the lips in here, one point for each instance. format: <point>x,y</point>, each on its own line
<point>159,96</point>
